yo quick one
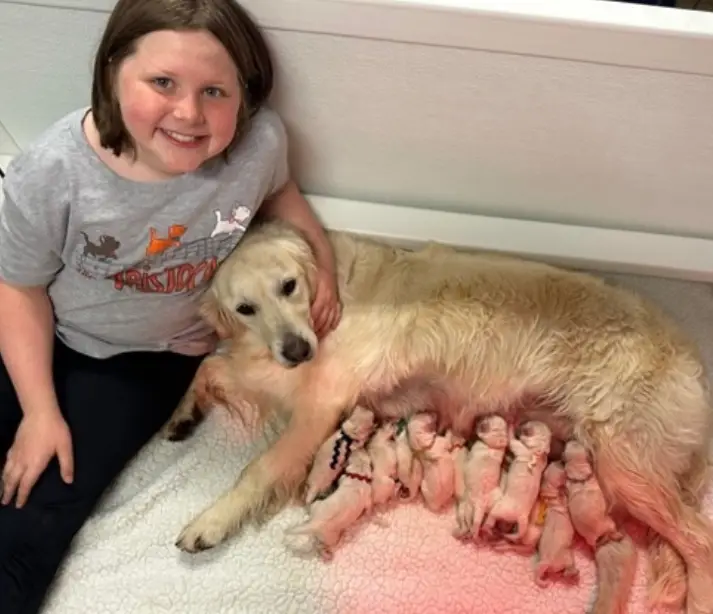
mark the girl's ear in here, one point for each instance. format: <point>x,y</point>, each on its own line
<point>224,323</point>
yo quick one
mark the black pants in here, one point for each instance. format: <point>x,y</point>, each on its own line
<point>113,407</point>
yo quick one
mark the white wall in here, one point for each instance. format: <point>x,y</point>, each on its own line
<point>580,111</point>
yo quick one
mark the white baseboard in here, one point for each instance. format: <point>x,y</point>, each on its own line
<point>600,249</point>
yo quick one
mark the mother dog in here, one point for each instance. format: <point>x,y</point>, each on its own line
<point>480,333</point>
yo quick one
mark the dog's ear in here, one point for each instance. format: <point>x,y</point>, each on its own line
<point>309,267</point>
<point>217,316</point>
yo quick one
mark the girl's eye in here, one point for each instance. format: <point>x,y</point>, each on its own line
<point>214,92</point>
<point>162,82</point>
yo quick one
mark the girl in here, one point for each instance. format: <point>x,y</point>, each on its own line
<point>113,223</point>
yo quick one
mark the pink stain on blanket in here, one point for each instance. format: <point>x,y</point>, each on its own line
<point>414,566</point>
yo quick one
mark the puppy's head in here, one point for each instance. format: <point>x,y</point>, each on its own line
<point>535,435</point>
<point>577,461</point>
<point>360,424</point>
<point>360,462</point>
<point>553,478</point>
<point>493,430</point>
<point>264,288</point>
<point>383,437</point>
<point>422,430</point>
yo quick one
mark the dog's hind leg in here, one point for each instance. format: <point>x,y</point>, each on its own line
<point>268,481</point>
<point>638,479</point>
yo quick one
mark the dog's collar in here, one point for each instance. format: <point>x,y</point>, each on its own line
<point>358,476</point>
<point>348,438</point>
<point>348,441</point>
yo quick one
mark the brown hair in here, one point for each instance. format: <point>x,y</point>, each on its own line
<point>132,19</point>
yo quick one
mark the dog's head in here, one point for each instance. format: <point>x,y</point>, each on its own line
<point>264,289</point>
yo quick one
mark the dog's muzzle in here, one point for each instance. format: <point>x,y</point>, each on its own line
<point>295,349</point>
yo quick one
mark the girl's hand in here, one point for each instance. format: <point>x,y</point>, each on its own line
<point>40,437</point>
<point>326,307</point>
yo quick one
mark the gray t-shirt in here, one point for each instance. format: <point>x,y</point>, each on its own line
<point>126,262</point>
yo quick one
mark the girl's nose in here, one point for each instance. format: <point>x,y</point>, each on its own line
<point>188,109</point>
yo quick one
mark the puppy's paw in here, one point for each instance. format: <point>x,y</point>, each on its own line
<point>204,533</point>
<point>181,427</point>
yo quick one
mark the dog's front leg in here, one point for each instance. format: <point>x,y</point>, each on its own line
<point>267,483</point>
<point>193,407</point>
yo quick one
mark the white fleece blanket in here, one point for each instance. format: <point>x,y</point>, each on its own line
<point>124,560</point>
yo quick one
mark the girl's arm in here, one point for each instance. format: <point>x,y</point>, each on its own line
<point>26,343</point>
<point>26,346</point>
<point>288,204</point>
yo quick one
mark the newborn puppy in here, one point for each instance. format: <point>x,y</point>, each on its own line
<point>587,506</point>
<point>528,542</point>
<point>478,478</point>
<point>459,453</point>
<point>438,484</point>
<point>334,453</point>
<point>382,451</point>
<point>417,434</point>
<point>555,546</point>
<point>530,452</point>
<point>332,516</point>
<point>422,431</point>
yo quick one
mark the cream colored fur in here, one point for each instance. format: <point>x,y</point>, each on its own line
<point>487,334</point>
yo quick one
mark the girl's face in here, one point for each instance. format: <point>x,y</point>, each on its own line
<point>179,96</point>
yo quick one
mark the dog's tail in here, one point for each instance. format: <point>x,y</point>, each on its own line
<point>616,569</point>
<point>668,577</point>
<point>668,581</point>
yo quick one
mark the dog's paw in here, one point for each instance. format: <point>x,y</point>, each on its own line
<point>179,428</point>
<point>204,533</point>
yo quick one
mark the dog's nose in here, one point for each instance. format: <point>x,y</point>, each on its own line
<point>295,349</point>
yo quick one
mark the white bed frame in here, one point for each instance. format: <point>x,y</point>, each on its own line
<point>579,131</point>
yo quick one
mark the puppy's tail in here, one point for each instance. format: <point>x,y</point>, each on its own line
<point>668,576</point>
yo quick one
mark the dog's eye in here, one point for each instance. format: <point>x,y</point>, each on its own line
<point>288,286</point>
<point>245,310</point>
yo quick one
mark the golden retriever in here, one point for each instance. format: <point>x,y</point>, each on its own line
<point>479,333</point>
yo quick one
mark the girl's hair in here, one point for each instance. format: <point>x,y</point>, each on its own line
<point>132,19</point>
